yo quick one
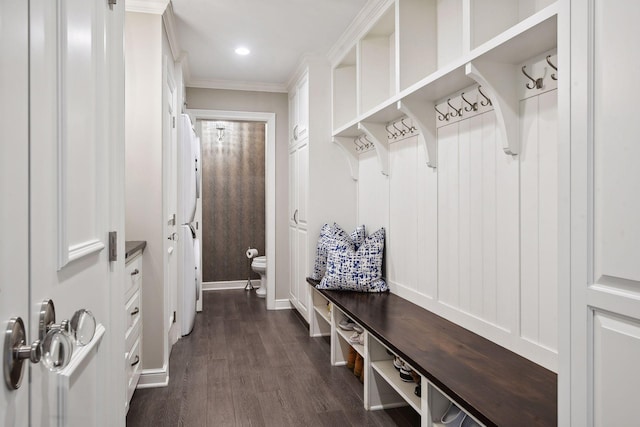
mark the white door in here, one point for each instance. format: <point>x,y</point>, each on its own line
<point>65,170</point>
<point>170,178</point>
<point>600,369</point>
<point>14,189</point>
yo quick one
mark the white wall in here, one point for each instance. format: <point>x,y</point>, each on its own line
<point>475,240</point>
<point>143,140</point>
<point>232,100</point>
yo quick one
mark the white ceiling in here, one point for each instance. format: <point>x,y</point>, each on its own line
<point>278,32</point>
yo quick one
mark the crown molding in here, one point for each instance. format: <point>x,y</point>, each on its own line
<point>360,24</point>
<point>304,63</point>
<point>156,7</point>
<point>169,19</point>
<point>237,85</point>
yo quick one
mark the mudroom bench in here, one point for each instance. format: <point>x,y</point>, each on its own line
<point>493,385</point>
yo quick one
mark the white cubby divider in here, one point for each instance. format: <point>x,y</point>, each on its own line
<point>320,324</point>
<point>344,88</point>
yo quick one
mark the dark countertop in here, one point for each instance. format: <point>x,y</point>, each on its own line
<point>133,246</point>
<point>494,384</point>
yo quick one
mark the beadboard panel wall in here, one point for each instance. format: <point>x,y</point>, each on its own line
<point>478,221</point>
<point>539,219</point>
<point>475,239</point>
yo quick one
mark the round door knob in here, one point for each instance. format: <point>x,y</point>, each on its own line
<point>56,350</point>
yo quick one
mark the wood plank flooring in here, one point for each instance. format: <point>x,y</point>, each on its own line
<point>246,366</point>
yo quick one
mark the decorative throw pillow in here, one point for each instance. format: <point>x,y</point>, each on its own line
<point>330,235</point>
<point>361,270</point>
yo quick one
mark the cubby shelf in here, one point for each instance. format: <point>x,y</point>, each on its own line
<point>345,335</point>
<point>324,314</point>
<point>405,389</point>
<point>492,64</point>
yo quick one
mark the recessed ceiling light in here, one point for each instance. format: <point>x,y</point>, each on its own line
<point>243,51</point>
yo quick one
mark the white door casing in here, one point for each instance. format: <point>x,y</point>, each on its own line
<point>599,369</point>
<point>14,190</point>
<point>170,201</point>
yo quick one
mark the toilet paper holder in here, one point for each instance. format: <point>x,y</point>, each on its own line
<point>251,253</point>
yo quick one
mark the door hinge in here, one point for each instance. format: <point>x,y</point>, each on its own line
<point>112,2</point>
<point>174,316</point>
<point>113,246</point>
<point>174,121</point>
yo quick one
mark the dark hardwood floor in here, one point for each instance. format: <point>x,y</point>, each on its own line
<point>246,366</point>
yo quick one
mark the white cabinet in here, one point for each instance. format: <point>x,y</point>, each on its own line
<point>133,323</point>
<point>298,226</point>
<point>299,110</point>
<point>319,178</point>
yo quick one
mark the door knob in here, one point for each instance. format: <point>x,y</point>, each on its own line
<point>16,351</point>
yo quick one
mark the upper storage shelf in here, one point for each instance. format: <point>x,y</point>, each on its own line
<point>422,55</point>
<point>421,51</point>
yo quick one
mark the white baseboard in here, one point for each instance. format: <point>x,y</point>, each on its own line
<point>283,304</point>
<point>153,378</point>
<point>232,284</point>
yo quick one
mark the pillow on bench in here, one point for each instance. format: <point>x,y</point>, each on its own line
<point>356,270</point>
<point>330,236</point>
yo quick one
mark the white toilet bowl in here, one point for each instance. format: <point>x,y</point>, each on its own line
<point>259,265</point>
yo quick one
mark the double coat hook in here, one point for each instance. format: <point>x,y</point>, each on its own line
<point>553,76</point>
<point>535,83</point>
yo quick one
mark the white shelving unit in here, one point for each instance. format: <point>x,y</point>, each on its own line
<point>419,52</point>
<point>320,324</point>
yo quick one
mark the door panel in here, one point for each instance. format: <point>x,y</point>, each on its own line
<point>14,190</point>
<point>76,125</point>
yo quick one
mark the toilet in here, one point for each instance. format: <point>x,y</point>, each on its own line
<point>259,265</point>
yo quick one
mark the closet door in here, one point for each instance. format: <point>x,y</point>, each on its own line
<point>293,229</point>
<point>302,154</point>
<point>599,371</point>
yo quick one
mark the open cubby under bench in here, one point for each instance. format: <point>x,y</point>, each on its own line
<point>494,385</point>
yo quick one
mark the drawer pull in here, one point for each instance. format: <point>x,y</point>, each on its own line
<point>135,311</point>
<point>134,272</point>
<point>137,361</point>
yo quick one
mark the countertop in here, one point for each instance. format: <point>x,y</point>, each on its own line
<point>133,246</point>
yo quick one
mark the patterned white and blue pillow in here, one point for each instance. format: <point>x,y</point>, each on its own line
<point>330,236</point>
<point>356,270</point>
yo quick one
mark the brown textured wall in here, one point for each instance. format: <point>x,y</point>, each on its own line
<point>233,198</point>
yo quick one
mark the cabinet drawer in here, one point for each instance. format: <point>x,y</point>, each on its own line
<point>133,367</point>
<point>133,276</point>
<point>133,314</point>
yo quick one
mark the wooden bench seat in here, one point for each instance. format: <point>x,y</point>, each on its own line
<point>497,386</point>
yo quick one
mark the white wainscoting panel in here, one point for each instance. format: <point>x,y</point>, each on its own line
<point>616,344</point>
<point>373,194</point>
<point>539,220</point>
<point>478,221</point>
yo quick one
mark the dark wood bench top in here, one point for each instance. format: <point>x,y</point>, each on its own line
<point>497,386</point>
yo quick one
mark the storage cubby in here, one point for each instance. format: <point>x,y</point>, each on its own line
<point>489,18</point>
<point>320,324</point>
<point>377,62</point>
<point>345,90</point>
<point>340,341</point>
<point>387,390</point>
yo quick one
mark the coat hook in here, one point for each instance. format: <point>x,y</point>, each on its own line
<point>458,112</point>
<point>485,97</point>
<point>535,83</point>
<point>553,76</point>
<point>356,141</point>
<point>368,143</point>
<point>391,134</point>
<point>471,107</point>
<point>409,128</point>
<point>442,115</point>
<point>402,132</point>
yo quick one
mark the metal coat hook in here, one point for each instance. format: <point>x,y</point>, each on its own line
<point>442,115</point>
<point>410,128</point>
<point>458,112</point>
<point>485,97</point>
<point>472,106</point>
<point>553,76</point>
<point>356,142</point>
<point>391,134</point>
<point>368,143</point>
<point>402,132</point>
<point>535,83</point>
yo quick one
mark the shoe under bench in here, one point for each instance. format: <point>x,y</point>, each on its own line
<point>492,385</point>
